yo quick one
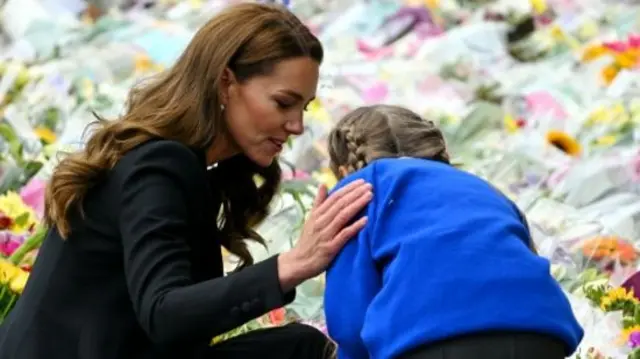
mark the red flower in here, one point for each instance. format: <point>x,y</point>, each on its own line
<point>5,221</point>
<point>277,316</point>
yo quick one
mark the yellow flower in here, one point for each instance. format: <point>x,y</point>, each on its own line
<point>608,140</point>
<point>432,4</point>
<point>142,63</point>
<point>11,205</point>
<point>616,295</point>
<point>19,282</point>
<point>557,33</point>
<point>593,52</point>
<point>15,277</point>
<point>510,124</point>
<point>87,88</point>
<point>609,73</point>
<point>564,142</point>
<point>45,135</point>
<point>588,30</point>
<point>318,112</point>
<point>326,177</point>
<point>539,6</point>
<point>599,115</point>
<point>626,333</point>
<point>7,271</point>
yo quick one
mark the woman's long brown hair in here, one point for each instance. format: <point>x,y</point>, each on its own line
<point>183,104</point>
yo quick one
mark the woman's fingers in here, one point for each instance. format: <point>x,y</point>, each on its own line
<point>320,197</point>
<point>346,213</point>
<point>337,195</point>
<point>343,206</point>
<point>347,233</point>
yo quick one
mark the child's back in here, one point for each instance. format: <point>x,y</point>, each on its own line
<point>444,254</point>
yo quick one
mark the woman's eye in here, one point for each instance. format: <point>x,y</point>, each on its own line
<point>283,105</point>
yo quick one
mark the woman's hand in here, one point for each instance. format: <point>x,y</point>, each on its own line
<point>324,233</point>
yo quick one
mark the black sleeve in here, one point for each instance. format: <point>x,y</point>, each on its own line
<point>159,191</point>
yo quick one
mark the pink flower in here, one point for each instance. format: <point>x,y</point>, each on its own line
<point>295,175</point>
<point>634,41</point>
<point>375,93</point>
<point>9,242</point>
<point>33,195</point>
<point>616,46</point>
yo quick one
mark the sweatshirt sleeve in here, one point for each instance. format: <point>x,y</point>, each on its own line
<point>159,197</point>
<point>351,284</point>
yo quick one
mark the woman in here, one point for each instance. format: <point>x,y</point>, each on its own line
<point>132,265</point>
<point>444,268</point>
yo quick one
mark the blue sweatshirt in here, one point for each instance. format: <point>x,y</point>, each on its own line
<point>443,254</point>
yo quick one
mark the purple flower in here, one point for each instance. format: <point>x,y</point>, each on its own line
<point>634,339</point>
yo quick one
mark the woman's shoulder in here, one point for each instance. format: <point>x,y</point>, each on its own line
<point>167,153</point>
<point>168,150</point>
<point>164,158</point>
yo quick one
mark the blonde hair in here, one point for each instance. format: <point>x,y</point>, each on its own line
<point>383,131</point>
<point>183,104</point>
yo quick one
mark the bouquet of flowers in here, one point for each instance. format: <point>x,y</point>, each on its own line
<point>625,55</point>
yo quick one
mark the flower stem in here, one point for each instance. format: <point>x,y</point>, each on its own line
<point>31,243</point>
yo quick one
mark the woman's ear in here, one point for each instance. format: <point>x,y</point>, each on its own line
<point>227,81</point>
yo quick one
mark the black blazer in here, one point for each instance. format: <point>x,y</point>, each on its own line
<point>141,274</point>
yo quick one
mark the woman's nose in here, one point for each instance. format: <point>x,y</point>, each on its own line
<point>295,126</point>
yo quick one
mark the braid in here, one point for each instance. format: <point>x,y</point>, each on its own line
<point>433,135</point>
<point>357,154</point>
<point>383,131</point>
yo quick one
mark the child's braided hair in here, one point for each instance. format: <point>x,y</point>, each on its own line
<point>383,131</point>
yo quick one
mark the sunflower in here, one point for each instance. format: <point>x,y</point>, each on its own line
<point>564,142</point>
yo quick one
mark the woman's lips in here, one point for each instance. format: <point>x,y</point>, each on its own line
<point>277,144</point>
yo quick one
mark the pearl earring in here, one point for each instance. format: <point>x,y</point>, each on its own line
<point>222,107</point>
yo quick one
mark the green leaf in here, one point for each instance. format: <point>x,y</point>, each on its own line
<point>22,219</point>
<point>7,132</point>
<point>31,168</point>
<point>33,242</point>
<point>635,354</point>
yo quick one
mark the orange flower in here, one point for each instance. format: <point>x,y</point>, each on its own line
<point>609,73</point>
<point>627,59</point>
<point>277,316</point>
<point>594,52</point>
<point>609,248</point>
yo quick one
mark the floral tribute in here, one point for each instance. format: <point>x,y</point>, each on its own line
<point>625,55</point>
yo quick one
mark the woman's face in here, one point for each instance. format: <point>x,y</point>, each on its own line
<point>263,112</point>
